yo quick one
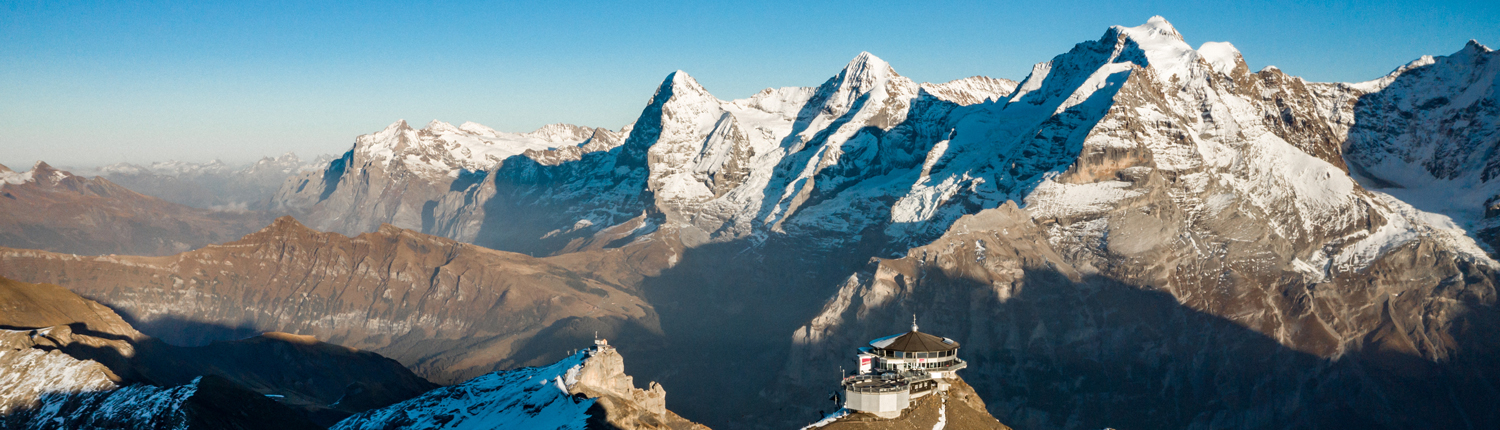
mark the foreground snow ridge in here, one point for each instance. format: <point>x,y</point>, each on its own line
<point>528,398</point>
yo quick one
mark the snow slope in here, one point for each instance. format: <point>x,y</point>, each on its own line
<point>1429,132</point>
<point>529,398</point>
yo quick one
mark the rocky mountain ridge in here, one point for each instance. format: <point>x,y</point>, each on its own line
<point>1135,234</point>
<point>450,311</point>
<point>49,209</point>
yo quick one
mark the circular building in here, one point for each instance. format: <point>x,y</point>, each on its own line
<point>911,351</point>
<point>897,368</point>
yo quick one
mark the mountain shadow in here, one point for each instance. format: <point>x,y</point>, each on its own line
<point>1052,350</point>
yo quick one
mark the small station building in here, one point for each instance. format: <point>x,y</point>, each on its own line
<point>895,369</point>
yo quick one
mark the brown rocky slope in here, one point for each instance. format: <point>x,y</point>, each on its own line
<point>448,310</point>
<point>53,210</point>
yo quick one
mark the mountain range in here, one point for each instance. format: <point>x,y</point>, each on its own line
<point>1139,233</point>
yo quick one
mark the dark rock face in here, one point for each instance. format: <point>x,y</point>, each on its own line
<point>1052,347</point>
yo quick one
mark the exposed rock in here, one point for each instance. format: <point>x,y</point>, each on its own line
<point>1055,347</point>
<point>53,210</point>
<point>957,408</point>
<point>624,406</point>
<point>448,310</point>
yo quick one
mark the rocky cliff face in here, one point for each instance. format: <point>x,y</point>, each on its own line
<point>449,310</point>
<point>50,209</point>
<point>719,170</point>
<point>1054,346</point>
<point>617,400</point>
<point>586,390</point>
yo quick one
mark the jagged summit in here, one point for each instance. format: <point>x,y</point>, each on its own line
<point>1223,57</point>
<point>864,74</point>
<point>400,124</point>
<point>865,69</point>
<point>437,126</point>
<point>680,84</point>
<point>1163,46</point>
<point>1155,26</point>
<point>1475,45</point>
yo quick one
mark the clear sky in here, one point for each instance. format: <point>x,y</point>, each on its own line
<point>89,83</point>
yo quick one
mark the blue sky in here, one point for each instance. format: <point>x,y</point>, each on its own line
<point>88,83</point>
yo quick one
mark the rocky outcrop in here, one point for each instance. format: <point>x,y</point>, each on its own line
<point>957,407</point>
<point>53,210</point>
<point>617,399</point>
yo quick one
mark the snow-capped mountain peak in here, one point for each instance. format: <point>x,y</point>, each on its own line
<point>479,129</point>
<point>864,71</point>
<point>1155,26</point>
<point>396,127</point>
<point>40,172</point>
<point>436,126</point>
<point>682,87</point>
<point>1475,46</point>
<point>1164,48</point>
<point>1221,56</point>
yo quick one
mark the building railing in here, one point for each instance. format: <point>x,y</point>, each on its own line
<point>947,365</point>
<point>876,383</point>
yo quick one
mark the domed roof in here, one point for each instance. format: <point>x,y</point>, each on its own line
<point>914,341</point>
